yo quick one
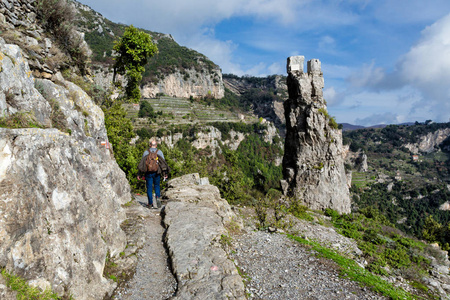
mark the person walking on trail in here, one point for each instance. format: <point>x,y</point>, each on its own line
<point>152,176</point>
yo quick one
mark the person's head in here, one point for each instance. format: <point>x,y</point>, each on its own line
<point>153,143</point>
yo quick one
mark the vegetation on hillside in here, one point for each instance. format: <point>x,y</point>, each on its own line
<point>259,92</point>
<point>389,138</point>
<point>173,57</point>
<point>386,250</point>
<point>242,175</point>
<point>170,57</point>
<point>420,187</point>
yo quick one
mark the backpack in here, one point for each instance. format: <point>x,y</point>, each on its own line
<point>152,161</point>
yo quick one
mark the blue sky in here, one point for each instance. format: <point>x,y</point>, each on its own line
<point>384,61</point>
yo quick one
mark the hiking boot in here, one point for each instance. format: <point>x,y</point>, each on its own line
<point>149,205</point>
<point>158,203</point>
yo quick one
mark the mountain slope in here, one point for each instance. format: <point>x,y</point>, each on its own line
<point>408,174</point>
<point>175,71</point>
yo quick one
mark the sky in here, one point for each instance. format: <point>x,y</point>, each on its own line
<point>384,61</point>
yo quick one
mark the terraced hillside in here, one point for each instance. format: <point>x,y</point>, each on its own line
<point>183,111</point>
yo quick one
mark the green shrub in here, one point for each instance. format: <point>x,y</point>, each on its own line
<point>332,213</point>
<point>299,211</point>
<point>146,110</point>
<point>19,120</point>
<point>24,291</point>
<point>384,247</point>
<point>57,17</point>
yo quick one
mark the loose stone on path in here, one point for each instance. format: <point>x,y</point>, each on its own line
<point>279,268</point>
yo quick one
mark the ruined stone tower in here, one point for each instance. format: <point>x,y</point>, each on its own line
<point>313,162</point>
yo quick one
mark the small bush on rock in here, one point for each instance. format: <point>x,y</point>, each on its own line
<point>57,18</point>
<point>19,120</point>
<point>24,291</point>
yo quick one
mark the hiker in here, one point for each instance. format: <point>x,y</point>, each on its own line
<point>152,175</point>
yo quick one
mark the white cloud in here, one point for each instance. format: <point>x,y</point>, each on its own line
<point>367,76</point>
<point>427,64</point>
<point>370,108</point>
<point>220,52</point>
<point>257,70</point>
<point>381,118</point>
<point>276,68</point>
<point>330,95</point>
<point>427,67</point>
<point>336,71</point>
<point>327,44</point>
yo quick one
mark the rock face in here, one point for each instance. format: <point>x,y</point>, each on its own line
<point>270,110</point>
<point>209,136</point>
<point>20,25</point>
<point>17,93</point>
<point>430,142</point>
<point>195,219</point>
<point>195,84</point>
<point>60,201</point>
<point>241,85</point>
<point>358,160</point>
<point>61,191</point>
<point>313,162</point>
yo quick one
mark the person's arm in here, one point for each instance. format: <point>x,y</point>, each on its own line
<point>161,154</point>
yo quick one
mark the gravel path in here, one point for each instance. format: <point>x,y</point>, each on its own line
<point>278,268</point>
<point>153,278</point>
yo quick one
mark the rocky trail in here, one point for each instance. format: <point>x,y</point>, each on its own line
<point>198,247</point>
<point>153,278</point>
<point>181,255</point>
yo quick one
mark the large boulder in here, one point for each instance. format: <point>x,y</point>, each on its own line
<point>61,191</point>
<point>196,219</point>
<point>313,162</point>
<point>60,201</point>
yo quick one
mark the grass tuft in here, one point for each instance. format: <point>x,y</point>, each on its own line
<point>24,291</point>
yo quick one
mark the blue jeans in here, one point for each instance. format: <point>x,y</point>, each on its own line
<point>152,179</point>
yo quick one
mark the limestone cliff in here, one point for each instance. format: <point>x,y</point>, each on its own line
<point>358,160</point>
<point>192,83</point>
<point>61,190</point>
<point>313,162</point>
<point>430,142</point>
<point>210,138</point>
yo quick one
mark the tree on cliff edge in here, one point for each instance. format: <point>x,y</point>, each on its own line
<point>133,51</point>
